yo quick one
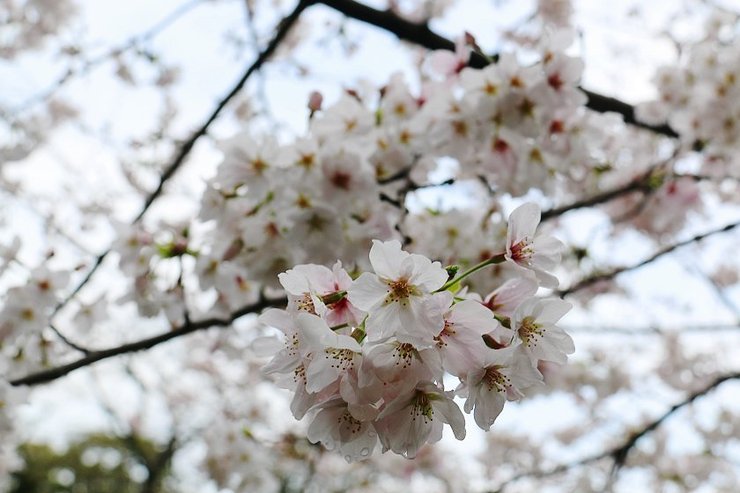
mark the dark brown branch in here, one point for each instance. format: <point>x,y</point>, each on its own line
<point>91,357</point>
<point>589,281</point>
<point>619,453</point>
<point>421,35</point>
<point>643,184</point>
<point>187,146</point>
<point>638,185</point>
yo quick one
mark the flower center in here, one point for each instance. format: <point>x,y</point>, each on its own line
<point>404,353</point>
<point>400,291</point>
<point>530,332</point>
<point>343,358</point>
<point>447,331</point>
<point>495,380</point>
<point>522,251</point>
<point>305,303</point>
<point>422,408</point>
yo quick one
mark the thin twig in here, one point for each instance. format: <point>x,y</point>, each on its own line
<point>131,43</point>
<point>619,453</point>
<point>589,281</point>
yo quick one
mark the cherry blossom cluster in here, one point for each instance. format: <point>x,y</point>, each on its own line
<point>25,315</point>
<point>698,96</point>
<point>508,128</point>
<point>366,355</point>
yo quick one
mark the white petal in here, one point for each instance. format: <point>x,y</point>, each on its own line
<point>512,293</point>
<point>367,291</point>
<point>266,346</point>
<point>523,222</point>
<point>280,319</point>
<point>452,415</point>
<point>384,321</point>
<point>386,258</point>
<point>426,274</point>
<point>553,310</point>
<point>319,374</point>
<point>294,282</point>
<point>488,407</point>
<point>473,316</point>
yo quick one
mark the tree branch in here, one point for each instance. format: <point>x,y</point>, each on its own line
<point>584,283</point>
<point>282,30</point>
<point>638,185</point>
<point>421,35</point>
<point>619,453</point>
<point>91,357</point>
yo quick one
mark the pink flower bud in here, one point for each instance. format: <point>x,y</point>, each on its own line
<point>314,101</point>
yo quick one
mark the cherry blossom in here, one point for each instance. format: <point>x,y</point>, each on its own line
<point>536,252</point>
<point>399,295</point>
<point>416,417</point>
<point>534,323</point>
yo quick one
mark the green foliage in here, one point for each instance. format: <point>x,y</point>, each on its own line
<point>99,463</point>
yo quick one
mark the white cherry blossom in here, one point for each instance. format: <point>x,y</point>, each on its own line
<point>539,253</point>
<point>417,417</point>
<point>399,295</point>
<point>534,324</point>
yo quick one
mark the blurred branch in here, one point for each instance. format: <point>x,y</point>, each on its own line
<point>282,30</point>
<point>155,461</point>
<point>420,34</point>
<point>645,183</point>
<point>94,356</point>
<point>619,453</point>
<point>606,276</point>
<point>719,292</point>
<point>640,184</point>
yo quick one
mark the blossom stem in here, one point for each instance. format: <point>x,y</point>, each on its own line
<point>333,297</point>
<point>358,334</point>
<point>505,321</point>
<point>495,259</point>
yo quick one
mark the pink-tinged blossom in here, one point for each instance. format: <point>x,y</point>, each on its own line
<point>539,253</point>
<point>504,299</point>
<point>332,356</point>
<point>289,364</point>
<point>399,297</point>
<point>315,99</point>
<point>449,64</point>
<point>307,286</point>
<point>291,355</point>
<point>338,429</point>
<point>461,341</point>
<point>396,367</point>
<point>416,418</point>
<point>502,376</point>
<point>534,325</point>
